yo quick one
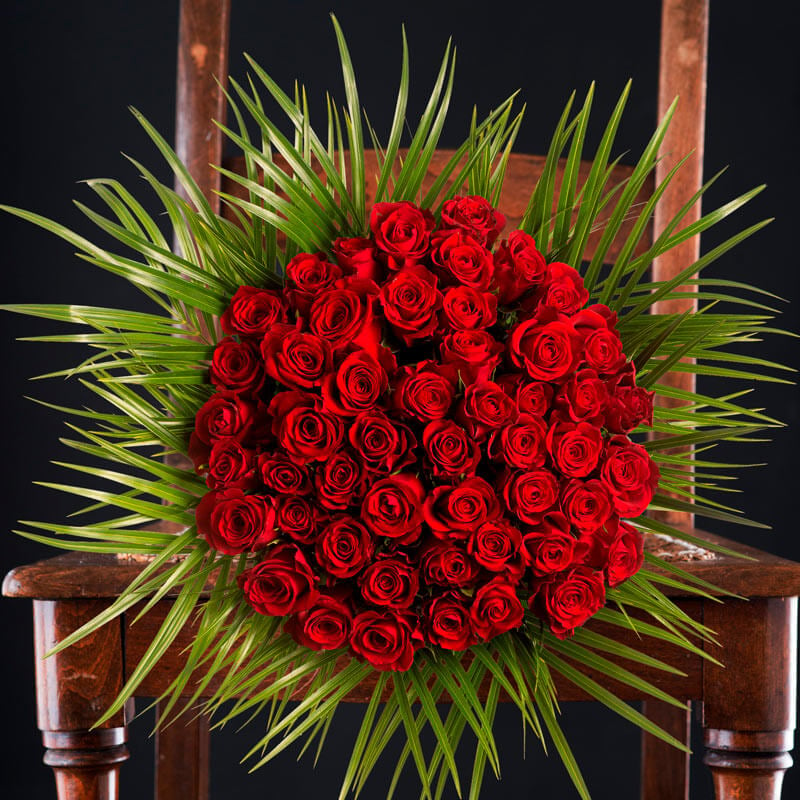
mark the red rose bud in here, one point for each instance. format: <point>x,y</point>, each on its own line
<point>475,216</point>
<point>565,601</point>
<point>393,508</point>
<point>587,504</point>
<point>424,391</point>
<point>459,259</point>
<point>575,447</point>
<point>563,289</point>
<point>547,346</point>
<point>410,303</point>
<point>282,583</point>
<point>252,312</point>
<point>551,547</point>
<point>343,547</point>
<point>468,309</point>
<point>521,444</point>
<point>230,465</point>
<point>303,429</point>
<point>357,257</point>
<point>519,266</point>
<point>625,554</point>
<point>528,495</point>
<point>390,581</point>
<point>283,476</point>
<point>450,451</point>
<point>297,359</point>
<point>298,519</point>
<point>484,409</point>
<point>454,512</point>
<point>402,232</point>
<point>448,564</point>
<point>339,482</point>
<point>308,274</point>
<point>356,386</point>
<point>495,609</point>
<point>236,366</point>
<point>447,622</point>
<point>233,522</point>
<point>386,639</point>
<point>496,546</point>
<point>474,354</point>
<point>630,475</point>
<point>326,625</point>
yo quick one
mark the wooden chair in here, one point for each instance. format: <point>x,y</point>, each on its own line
<point>748,707</point>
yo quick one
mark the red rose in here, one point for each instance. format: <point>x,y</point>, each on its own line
<point>586,504</point>
<point>547,346</point>
<point>628,405</point>
<point>224,414</point>
<point>475,216</point>
<point>390,581</point>
<point>602,347</point>
<point>592,548</point>
<point>448,564</point>
<point>575,447</point>
<point>474,354</point>
<point>295,358</point>
<point>402,232</point>
<point>630,475</point>
<point>452,512</point>
<point>326,625</point>
<point>534,397</point>
<point>468,309</point>
<point>485,408</point>
<point>343,547</point>
<point>252,312</point>
<point>343,316</point>
<point>283,476</point>
<point>339,481</point>
<point>410,301</point>
<point>583,397</point>
<point>495,609</point>
<point>382,444</point>
<point>447,622</point>
<point>282,583</point>
<point>521,444</point>
<point>233,522</point>
<point>518,265</point>
<point>625,554</point>
<point>496,546</point>
<point>450,451</point>
<point>551,547</point>
<point>460,259</point>
<point>424,391</point>
<point>386,639</point>
<point>230,465</point>
<point>357,257</point>
<point>565,601</point>
<point>530,494</point>
<point>304,430</point>
<point>298,519</point>
<point>563,289</point>
<point>308,274</point>
<point>393,508</point>
<point>357,385</point>
<point>236,366</point>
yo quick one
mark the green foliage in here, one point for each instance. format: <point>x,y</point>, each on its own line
<point>147,374</point>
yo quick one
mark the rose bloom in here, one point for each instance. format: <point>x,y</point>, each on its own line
<point>530,494</point>
<point>567,600</point>
<point>410,303</point>
<point>519,267</point>
<point>450,451</point>
<point>343,316</point>
<point>236,366</point>
<point>550,548</point>
<point>253,311</point>
<point>495,609</point>
<point>468,309</point>
<point>298,519</point>
<point>447,622</point>
<point>583,398</point>
<point>382,444</point>
<point>547,346</point>
<point>474,354</point>
<point>563,289</point>
<point>283,476</point>
<point>230,465</point>
<point>448,564</point>
<point>424,391</point>
<point>233,522</point>
<point>386,639</point>
<point>295,358</point>
<point>521,444</point>
<point>402,232</point>
<point>485,408</point>
<point>304,430</point>
<point>356,386</point>
<point>496,546</point>
<point>393,508</point>
<point>343,547</point>
<point>474,215</point>
<point>326,625</point>
<point>587,504</point>
<point>575,447</point>
<point>390,581</point>
<point>460,259</point>
<point>308,274</point>
<point>625,554</point>
<point>282,583</point>
<point>628,405</point>
<point>630,475</point>
<point>534,397</point>
<point>602,347</point>
<point>339,482</point>
<point>357,257</point>
<point>452,512</point>
<point>224,414</point>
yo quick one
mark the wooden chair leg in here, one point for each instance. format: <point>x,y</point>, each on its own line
<point>665,770</point>
<point>73,689</point>
<point>182,758</point>
<point>749,705</point>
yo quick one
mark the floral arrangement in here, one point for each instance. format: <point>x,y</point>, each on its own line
<point>422,448</point>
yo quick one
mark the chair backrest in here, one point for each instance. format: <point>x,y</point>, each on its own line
<point>203,59</point>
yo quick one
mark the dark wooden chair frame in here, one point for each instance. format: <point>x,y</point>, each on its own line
<point>747,708</point>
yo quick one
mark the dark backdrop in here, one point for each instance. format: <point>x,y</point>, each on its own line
<point>71,69</point>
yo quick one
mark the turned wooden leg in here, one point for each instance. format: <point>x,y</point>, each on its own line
<point>73,689</point>
<point>749,705</point>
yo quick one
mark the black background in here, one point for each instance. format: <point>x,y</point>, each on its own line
<point>69,71</point>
